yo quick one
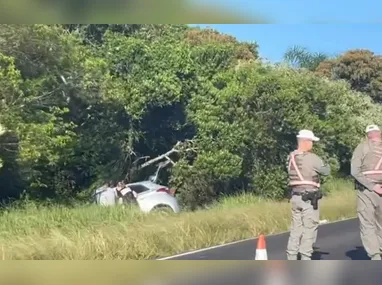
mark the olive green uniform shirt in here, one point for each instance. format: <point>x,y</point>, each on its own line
<point>363,159</point>
<point>310,165</point>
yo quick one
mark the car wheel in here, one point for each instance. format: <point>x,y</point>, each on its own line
<point>163,209</point>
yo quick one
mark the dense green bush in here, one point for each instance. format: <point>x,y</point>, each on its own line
<point>81,103</point>
<point>256,116</point>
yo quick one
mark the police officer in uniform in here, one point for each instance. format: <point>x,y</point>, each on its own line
<point>367,171</point>
<point>304,169</point>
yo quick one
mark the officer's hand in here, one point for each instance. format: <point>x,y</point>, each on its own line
<point>378,189</point>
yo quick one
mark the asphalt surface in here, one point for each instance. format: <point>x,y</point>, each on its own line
<point>335,241</point>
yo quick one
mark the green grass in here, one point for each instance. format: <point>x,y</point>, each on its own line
<point>91,232</point>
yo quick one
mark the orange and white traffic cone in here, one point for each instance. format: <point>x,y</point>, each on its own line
<point>261,250</point>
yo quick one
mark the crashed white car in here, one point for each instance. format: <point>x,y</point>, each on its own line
<point>151,196</point>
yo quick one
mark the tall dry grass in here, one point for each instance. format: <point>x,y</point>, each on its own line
<point>91,232</point>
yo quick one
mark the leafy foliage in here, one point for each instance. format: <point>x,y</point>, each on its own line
<point>362,69</point>
<point>301,57</point>
<point>81,103</point>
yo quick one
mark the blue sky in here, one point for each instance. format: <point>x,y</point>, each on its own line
<point>307,11</point>
<point>274,39</point>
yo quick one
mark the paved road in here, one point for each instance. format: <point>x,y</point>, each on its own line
<point>336,241</point>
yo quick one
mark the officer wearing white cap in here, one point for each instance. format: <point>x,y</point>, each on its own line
<point>304,169</point>
<point>366,169</point>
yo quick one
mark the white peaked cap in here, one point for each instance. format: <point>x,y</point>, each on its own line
<point>307,134</point>
<point>371,128</point>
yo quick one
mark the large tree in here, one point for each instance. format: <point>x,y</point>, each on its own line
<point>301,57</point>
<point>246,129</point>
<point>81,104</point>
<point>361,68</point>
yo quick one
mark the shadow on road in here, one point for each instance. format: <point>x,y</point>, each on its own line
<point>317,255</point>
<point>358,253</point>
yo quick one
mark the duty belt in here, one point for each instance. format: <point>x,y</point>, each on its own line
<point>299,193</point>
<point>312,196</point>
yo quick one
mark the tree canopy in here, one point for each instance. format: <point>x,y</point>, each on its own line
<point>301,57</point>
<point>362,69</point>
<point>85,103</point>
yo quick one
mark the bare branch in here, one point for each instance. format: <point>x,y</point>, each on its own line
<point>169,160</point>
<point>160,157</point>
<point>140,158</point>
<point>176,149</point>
<point>166,163</point>
<point>63,79</point>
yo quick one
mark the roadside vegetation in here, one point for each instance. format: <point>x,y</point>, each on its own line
<point>89,232</point>
<point>82,104</point>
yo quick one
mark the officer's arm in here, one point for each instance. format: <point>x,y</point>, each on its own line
<point>320,166</point>
<point>356,172</point>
